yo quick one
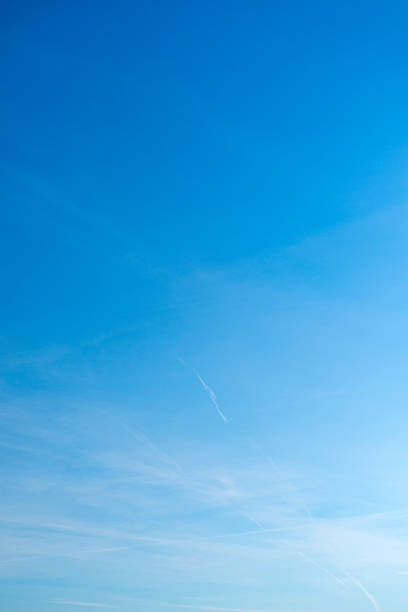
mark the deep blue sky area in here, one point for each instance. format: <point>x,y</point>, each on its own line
<point>190,133</point>
<point>203,338</point>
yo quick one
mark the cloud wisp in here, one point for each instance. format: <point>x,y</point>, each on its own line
<point>210,392</point>
<point>367,594</point>
<point>212,396</point>
<point>322,568</point>
<point>252,520</point>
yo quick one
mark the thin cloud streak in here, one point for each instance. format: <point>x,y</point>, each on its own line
<point>252,520</point>
<point>209,391</point>
<point>367,594</point>
<point>322,568</point>
<point>212,396</point>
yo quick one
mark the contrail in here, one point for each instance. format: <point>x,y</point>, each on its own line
<point>322,568</point>
<point>367,594</point>
<point>210,392</point>
<point>212,395</point>
<point>142,438</point>
<point>252,520</point>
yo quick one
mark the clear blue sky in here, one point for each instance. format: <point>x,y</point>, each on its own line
<point>204,306</point>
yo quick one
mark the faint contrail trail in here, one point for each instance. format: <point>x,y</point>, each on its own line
<point>212,395</point>
<point>252,520</point>
<point>210,391</point>
<point>322,568</point>
<point>366,593</point>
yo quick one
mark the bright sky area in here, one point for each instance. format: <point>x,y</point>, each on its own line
<point>204,306</point>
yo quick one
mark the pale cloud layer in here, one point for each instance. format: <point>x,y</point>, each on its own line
<point>298,503</point>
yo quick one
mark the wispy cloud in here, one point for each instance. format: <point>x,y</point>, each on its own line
<point>143,480</point>
<point>157,452</point>
<point>211,392</point>
<point>322,568</point>
<point>252,520</point>
<point>212,396</point>
<point>367,594</point>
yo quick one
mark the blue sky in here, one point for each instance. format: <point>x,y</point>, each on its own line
<point>204,315</point>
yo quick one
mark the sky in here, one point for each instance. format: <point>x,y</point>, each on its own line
<point>204,330</point>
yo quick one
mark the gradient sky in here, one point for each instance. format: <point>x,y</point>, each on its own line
<point>204,306</point>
